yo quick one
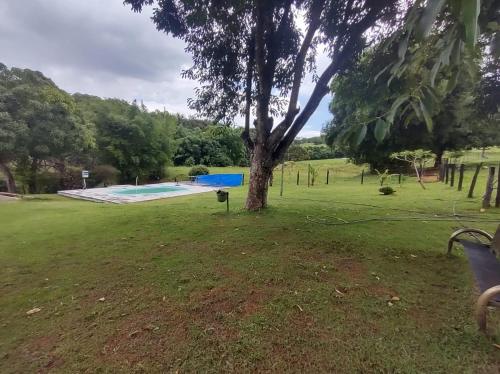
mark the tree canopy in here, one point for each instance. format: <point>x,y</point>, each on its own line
<point>251,56</point>
<point>136,142</point>
<point>212,146</point>
<point>424,102</point>
<point>437,46</point>
<point>40,125</point>
<point>45,132</point>
<point>48,136</point>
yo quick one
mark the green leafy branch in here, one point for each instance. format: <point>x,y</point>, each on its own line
<point>455,48</point>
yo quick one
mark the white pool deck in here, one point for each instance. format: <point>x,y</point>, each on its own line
<point>107,195</point>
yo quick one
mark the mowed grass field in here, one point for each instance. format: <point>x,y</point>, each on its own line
<point>179,285</point>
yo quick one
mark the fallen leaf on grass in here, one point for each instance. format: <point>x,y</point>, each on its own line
<point>133,333</point>
<point>33,311</point>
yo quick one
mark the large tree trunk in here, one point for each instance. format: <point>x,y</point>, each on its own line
<point>260,171</point>
<point>270,143</point>
<point>11,183</point>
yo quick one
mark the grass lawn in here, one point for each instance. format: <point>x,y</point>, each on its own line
<point>179,285</point>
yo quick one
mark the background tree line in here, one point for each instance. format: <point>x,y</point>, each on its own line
<point>48,136</point>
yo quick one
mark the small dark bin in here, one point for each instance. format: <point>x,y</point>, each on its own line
<point>222,195</point>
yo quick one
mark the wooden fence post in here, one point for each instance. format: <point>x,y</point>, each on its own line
<point>444,165</point>
<point>298,177</point>
<point>399,179</point>
<point>474,180</point>
<point>327,175</point>
<point>489,188</point>
<point>362,176</point>
<point>452,178</point>
<point>282,177</point>
<point>446,173</point>
<point>461,176</point>
<point>243,179</point>
<point>308,175</point>
<point>441,172</point>
<point>497,199</point>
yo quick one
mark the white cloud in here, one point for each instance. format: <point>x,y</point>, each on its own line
<point>96,48</point>
<point>102,48</point>
<point>309,133</point>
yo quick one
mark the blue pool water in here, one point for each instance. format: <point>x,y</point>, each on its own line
<point>148,190</point>
<point>220,180</point>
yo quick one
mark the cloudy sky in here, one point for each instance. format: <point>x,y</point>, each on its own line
<point>101,47</point>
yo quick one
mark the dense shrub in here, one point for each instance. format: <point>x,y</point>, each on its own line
<point>297,153</point>
<point>211,146</point>
<point>156,174</point>
<point>48,182</point>
<point>105,175</point>
<point>218,159</point>
<point>70,178</point>
<point>198,170</point>
<point>301,152</point>
<point>321,152</point>
<point>386,190</point>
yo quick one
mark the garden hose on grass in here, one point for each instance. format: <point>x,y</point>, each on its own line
<point>361,204</point>
<point>423,216</point>
<point>376,206</point>
<point>325,221</point>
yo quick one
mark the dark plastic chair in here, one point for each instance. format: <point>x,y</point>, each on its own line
<point>485,265</point>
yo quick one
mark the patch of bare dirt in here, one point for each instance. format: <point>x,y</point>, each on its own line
<point>216,308</point>
<point>351,267</point>
<point>165,332</point>
<point>423,317</point>
<point>156,334</point>
<point>382,292</point>
<point>298,345</point>
<point>40,353</point>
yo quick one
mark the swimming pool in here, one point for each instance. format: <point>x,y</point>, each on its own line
<point>132,194</point>
<point>148,190</point>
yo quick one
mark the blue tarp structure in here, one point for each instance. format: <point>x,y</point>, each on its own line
<point>220,180</point>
